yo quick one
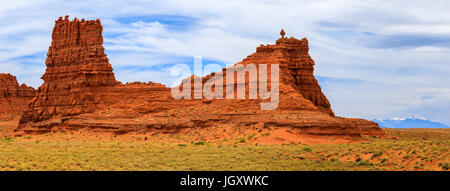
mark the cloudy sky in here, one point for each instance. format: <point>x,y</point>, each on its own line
<point>374,59</point>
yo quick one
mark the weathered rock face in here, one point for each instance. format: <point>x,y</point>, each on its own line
<point>292,54</point>
<point>76,67</point>
<point>80,92</point>
<point>13,97</point>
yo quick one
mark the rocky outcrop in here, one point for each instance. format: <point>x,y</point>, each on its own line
<point>292,54</point>
<point>13,97</point>
<point>80,92</point>
<point>77,67</point>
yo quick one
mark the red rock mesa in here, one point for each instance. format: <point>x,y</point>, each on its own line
<point>80,92</point>
<point>13,97</point>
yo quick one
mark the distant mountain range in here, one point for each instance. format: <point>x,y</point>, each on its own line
<point>410,122</point>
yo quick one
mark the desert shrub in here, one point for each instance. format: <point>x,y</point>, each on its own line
<point>8,139</point>
<point>265,134</point>
<point>377,154</point>
<point>444,166</point>
<point>363,163</point>
<point>300,157</point>
<point>199,143</point>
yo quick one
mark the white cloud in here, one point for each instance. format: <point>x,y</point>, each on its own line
<point>418,28</point>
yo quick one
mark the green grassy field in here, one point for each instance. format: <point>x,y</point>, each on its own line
<point>413,150</point>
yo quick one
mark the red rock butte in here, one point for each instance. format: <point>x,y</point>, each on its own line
<point>81,92</point>
<point>292,54</point>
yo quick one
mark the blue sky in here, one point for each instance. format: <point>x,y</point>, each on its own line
<point>374,59</point>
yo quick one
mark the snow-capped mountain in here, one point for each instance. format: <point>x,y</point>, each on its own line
<point>409,122</point>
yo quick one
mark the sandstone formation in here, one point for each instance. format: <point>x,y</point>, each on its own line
<point>13,97</point>
<point>293,54</point>
<point>76,67</point>
<point>80,92</point>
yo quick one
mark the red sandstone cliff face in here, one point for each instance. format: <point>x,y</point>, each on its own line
<point>13,97</point>
<point>76,67</point>
<point>80,92</point>
<point>292,54</point>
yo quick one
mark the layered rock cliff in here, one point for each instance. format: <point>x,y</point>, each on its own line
<point>292,54</point>
<point>76,67</point>
<point>13,97</point>
<point>80,92</point>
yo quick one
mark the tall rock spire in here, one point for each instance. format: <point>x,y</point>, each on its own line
<point>76,66</point>
<point>76,55</point>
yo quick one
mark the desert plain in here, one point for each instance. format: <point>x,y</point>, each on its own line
<point>405,150</point>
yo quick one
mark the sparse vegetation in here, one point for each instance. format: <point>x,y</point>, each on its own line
<point>199,143</point>
<point>46,152</point>
<point>377,154</point>
<point>265,134</point>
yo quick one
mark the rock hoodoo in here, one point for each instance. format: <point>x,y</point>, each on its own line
<point>13,97</point>
<point>282,33</point>
<point>80,92</point>
<point>76,67</point>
